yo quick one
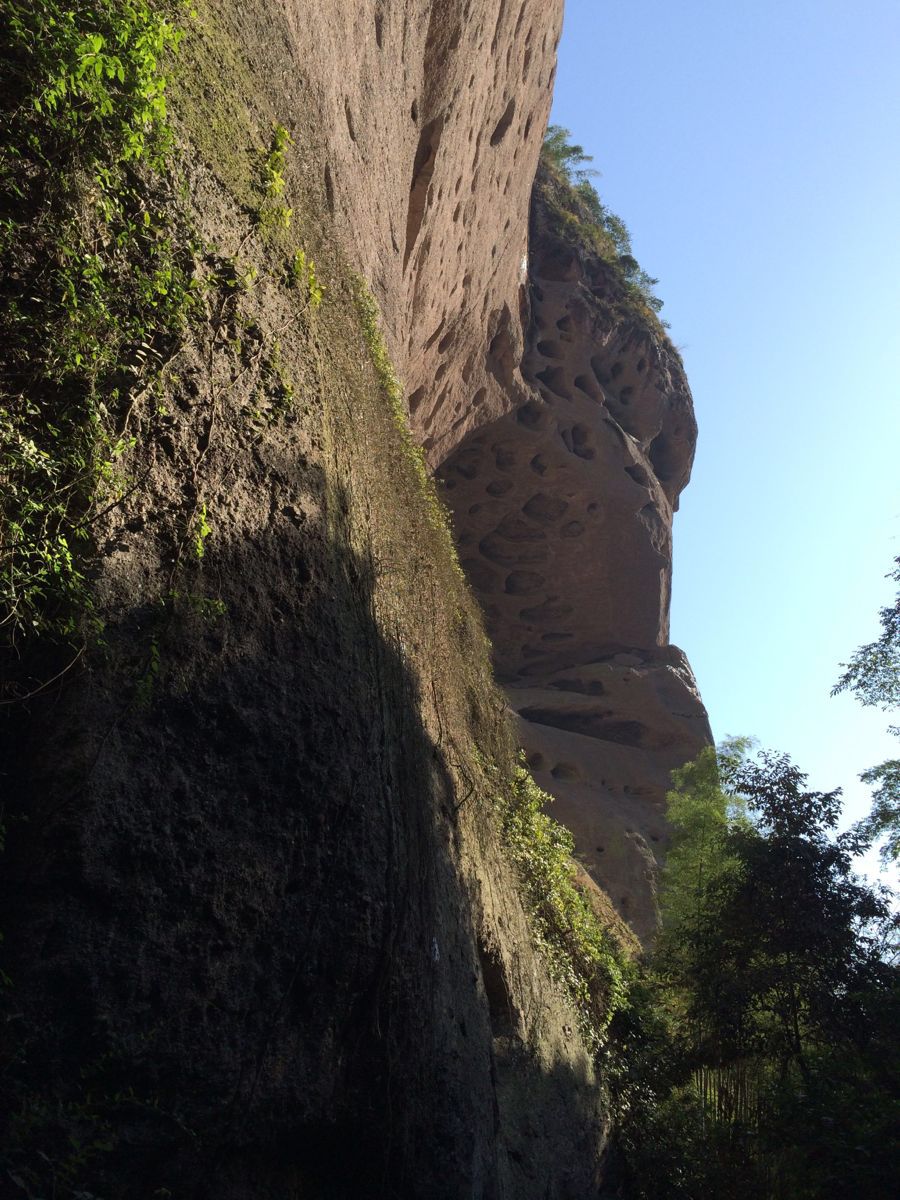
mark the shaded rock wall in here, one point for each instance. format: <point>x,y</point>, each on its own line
<point>563,510</point>
<point>263,937</point>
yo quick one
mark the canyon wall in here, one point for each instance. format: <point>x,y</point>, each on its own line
<point>563,511</point>
<point>260,914</point>
<point>559,423</point>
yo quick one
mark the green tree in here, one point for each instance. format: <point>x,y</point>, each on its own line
<point>765,1051</point>
<point>873,675</point>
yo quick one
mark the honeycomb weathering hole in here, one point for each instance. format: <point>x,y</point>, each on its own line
<point>422,172</point>
<point>500,129</point>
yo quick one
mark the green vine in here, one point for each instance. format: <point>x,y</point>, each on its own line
<point>96,285</point>
<point>580,955</point>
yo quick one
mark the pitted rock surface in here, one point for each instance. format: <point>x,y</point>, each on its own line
<point>563,511</point>
<point>434,113</point>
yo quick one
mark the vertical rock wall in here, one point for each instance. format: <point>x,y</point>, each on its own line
<point>560,425</point>
<point>563,509</point>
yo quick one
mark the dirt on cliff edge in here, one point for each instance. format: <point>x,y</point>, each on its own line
<point>261,934</point>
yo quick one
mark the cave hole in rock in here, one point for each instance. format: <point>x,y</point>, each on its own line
<point>329,189</point>
<point>550,349</point>
<point>663,457</point>
<point>545,508</point>
<point>479,397</point>
<point>639,475</point>
<point>497,549</point>
<point>434,336</point>
<point>586,384</point>
<point>617,369</point>
<point>497,991</point>
<point>535,761</point>
<point>416,398</point>
<point>351,129</point>
<point>532,415</point>
<point>538,464</point>
<point>414,112</point>
<point>555,380</point>
<point>467,463</point>
<point>446,342</point>
<point>514,529</point>
<point>564,771</point>
<point>582,687</point>
<point>560,265</point>
<point>642,363</point>
<point>601,374</point>
<point>548,611</point>
<point>379,27</point>
<point>422,173</point>
<point>581,442</point>
<point>499,487</point>
<point>523,583</point>
<point>626,394</point>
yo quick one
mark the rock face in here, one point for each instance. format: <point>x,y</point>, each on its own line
<point>433,127</point>
<point>560,425</point>
<point>563,512</point>
<point>264,936</point>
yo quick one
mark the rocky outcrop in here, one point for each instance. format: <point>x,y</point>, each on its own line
<point>264,936</point>
<point>558,419</point>
<point>263,932</point>
<point>563,512</point>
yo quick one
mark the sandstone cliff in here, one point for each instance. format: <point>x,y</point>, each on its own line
<point>263,920</point>
<point>563,511</point>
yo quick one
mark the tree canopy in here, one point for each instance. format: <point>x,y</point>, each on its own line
<point>764,1048</point>
<point>873,676</point>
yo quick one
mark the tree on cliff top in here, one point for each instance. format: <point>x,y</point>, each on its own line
<point>580,208</point>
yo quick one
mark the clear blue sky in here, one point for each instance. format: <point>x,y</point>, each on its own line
<point>754,152</point>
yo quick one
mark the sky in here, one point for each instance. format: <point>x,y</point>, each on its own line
<point>753,150</point>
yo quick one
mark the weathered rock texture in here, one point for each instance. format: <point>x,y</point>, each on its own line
<point>563,510</point>
<point>263,936</point>
<point>434,114</point>
<point>560,424</point>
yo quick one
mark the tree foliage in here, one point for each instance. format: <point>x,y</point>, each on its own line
<point>763,1053</point>
<point>581,209</point>
<point>873,675</point>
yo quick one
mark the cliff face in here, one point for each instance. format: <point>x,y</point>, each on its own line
<point>563,509</point>
<point>432,116</point>
<point>560,425</point>
<point>263,931</point>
